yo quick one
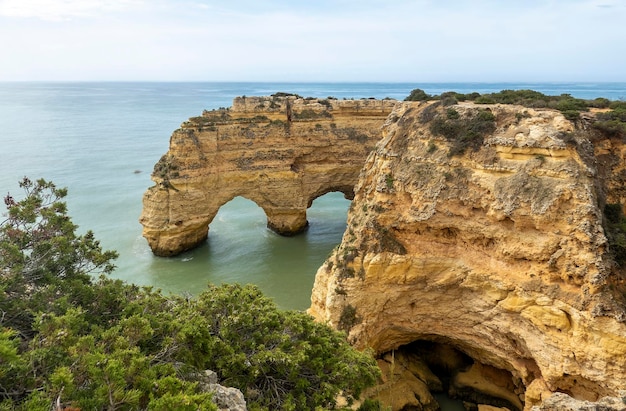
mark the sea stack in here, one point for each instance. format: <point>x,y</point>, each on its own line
<point>282,152</point>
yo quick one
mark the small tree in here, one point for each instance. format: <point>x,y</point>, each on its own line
<point>418,95</point>
<point>40,252</point>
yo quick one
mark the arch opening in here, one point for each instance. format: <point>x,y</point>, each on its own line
<point>239,211</point>
<point>242,249</point>
<point>426,372</point>
<point>327,217</point>
<point>346,190</point>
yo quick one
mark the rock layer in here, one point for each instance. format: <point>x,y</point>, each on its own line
<point>488,237</point>
<point>282,152</point>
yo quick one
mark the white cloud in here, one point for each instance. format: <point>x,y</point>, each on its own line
<point>59,10</point>
<point>333,40</point>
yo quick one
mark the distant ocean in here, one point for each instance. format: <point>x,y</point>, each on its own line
<point>101,140</point>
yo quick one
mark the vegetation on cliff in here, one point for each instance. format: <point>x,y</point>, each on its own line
<point>463,130</point>
<point>468,131</point>
<point>69,340</point>
<point>612,119</point>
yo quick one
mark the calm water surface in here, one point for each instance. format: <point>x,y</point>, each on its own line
<point>101,141</point>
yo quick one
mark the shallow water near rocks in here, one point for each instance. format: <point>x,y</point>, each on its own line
<point>448,404</point>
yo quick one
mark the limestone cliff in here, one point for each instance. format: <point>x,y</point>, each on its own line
<point>281,152</point>
<point>476,243</point>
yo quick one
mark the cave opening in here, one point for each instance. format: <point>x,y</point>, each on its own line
<point>427,374</point>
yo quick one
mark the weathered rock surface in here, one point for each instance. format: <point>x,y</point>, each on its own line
<point>226,398</point>
<point>498,250</point>
<point>281,152</point>
<point>563,402</point>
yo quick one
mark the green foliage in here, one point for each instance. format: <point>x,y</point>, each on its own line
<point>450,98</point>
<point>309,114</point>
<point>389,181</point>
<point>612,123</point>
<point>463,131</point>
<point>615,228</point>
<point>571,107</point>
<point>485,100</point>
<point>285,358</point>
<point>452,114</point>
<point>166,168</point>
<point>348,318</point>
<point>528,98</point>
<point>418,95</point>
<point>103,344</point>
<point>40,253</point>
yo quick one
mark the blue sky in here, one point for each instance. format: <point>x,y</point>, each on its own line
<point>313,40</point>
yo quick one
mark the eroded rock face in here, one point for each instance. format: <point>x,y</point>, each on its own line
<point>281,152</point>
<point>563,402</point>
<point>481,228</point>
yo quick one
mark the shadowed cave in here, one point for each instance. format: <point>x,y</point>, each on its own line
<point>414,372</point>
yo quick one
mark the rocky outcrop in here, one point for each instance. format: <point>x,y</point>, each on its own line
<point>226,398</point>
<point>480,229</point>
<point>282,152</point>
<point>563,402</point>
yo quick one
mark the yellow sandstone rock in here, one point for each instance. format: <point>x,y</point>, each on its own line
<point>282,152</point>
<point>496,248</point>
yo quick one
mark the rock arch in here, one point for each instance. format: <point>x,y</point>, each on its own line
<point>282,152</point>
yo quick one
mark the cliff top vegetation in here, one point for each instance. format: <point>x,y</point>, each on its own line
<point>610,116</point>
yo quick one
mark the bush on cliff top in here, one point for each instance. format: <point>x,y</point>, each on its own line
<point>611,123</point>
<point>463,131</point>
<point>70,340</point>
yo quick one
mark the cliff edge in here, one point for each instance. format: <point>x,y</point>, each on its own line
<point>476,259</point>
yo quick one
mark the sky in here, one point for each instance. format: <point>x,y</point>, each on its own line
<point>313,40</point>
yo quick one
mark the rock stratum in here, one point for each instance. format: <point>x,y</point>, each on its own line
<point>476,260</point>
<point>282,152</point>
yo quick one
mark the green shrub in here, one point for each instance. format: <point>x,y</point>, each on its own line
<point>615,228</point>
<point>348,318</point>
<point>308,114</point>
<point>104,344</point>
<point>463,132</point>
<point>418,95</point>
<point>612,123</point>
<point>452,114</point>
<point>600,102</point>
<point>571,115</point>
<point>571,104</point>
<point>449,98</point>
<point>484,100</point>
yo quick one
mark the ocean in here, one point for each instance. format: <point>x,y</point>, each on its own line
<point>101,141</point>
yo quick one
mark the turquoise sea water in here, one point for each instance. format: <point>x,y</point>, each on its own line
<point>101,141</point>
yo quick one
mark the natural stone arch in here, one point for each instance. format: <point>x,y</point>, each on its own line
<point>281,152</point>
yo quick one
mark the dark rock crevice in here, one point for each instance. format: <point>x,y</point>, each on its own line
<point>415,372</point>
